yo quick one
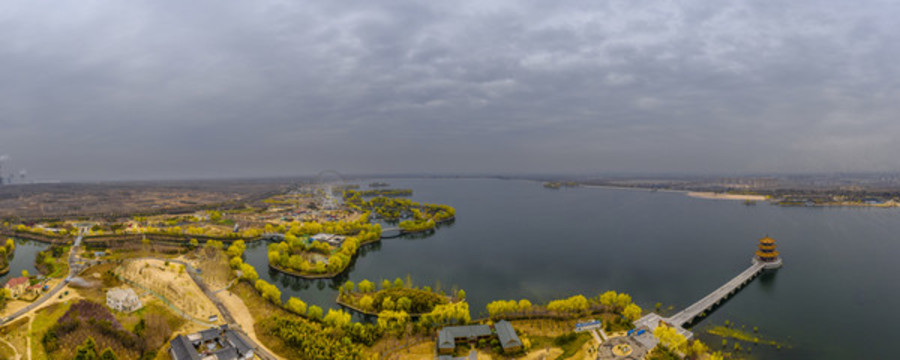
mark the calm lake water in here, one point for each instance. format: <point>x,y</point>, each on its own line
<point>834,298</point>
<point>26,250</point>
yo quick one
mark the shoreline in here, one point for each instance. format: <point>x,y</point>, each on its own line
<point>725,196</point>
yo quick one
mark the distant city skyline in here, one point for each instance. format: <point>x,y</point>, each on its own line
<point>187,90</point>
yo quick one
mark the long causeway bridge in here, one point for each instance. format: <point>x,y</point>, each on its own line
<point>766,258</point>
<point>716,297</point>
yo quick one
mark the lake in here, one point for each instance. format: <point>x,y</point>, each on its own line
<point>514,239</point>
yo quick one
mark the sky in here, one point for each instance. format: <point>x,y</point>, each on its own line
<point>116,90</point>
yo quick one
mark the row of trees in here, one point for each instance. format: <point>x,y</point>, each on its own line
<point>575,305</point>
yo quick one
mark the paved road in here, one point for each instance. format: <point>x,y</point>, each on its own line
<point>73,270</point>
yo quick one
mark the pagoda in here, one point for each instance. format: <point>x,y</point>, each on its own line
<point>767,254</point>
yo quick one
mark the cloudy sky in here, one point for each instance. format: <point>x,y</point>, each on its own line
<point>178,89</point>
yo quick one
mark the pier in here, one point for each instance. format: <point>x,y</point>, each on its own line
<point>766,258</point>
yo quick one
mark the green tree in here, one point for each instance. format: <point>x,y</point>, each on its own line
<point>248,272</point>
<point>87,350</point>
<point>404,304</point>
<point>24,273</point>
<point>194,243</point>
<point>398,283</point>
<point>388,304</point>
<point>366,286</point>
<point>296,306</point>
<point>608,298</point>
<point>108,355</point>
<point>632,312</point>
<point>348,286</point>
<point>366,302</point>
<point>622,300</point>
<point>314,312</point>
<point>461,294</point>
<point>337,318</point>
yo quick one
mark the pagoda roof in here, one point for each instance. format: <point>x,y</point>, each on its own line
<point>767,240</point>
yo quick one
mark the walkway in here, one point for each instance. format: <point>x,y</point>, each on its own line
<point>716,297</point>
<point>700,308</point>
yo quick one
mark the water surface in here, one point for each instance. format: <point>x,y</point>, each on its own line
<point>516,239</point>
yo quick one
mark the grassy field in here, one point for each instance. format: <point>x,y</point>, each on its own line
<point>43,320</point>
<point>570,343</point>
<point>17,334</point>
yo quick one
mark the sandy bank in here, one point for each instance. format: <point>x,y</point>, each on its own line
<point>724,196</point>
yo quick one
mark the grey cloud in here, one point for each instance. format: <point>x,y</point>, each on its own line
<point>184,89</point>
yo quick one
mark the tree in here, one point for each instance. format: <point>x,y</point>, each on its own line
<point>248,272</point>
<point>632,312</point>
<point>461,294</point>
<point>387,304</point>
<point>194,243</point>
<point>269,292</point>
<point>348,286</point>
<point>669,337</point>
<point>24,273</point>
<point>608,299</point>
<point>404,304</point>
<point>524,306</point>
<point>622,300</point>
<point>398,283</point>
<point>697,348</point>
<point>393,320</point>
<point>337,318</point>
<point>108,355</point>
<point>366,286</point>
<point>366,302</point>
<point>314,312</point>
<point>385,284</point>
<point>87,350</point>
<point>296,306</point>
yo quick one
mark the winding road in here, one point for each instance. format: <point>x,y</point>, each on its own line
<point>73,270</point>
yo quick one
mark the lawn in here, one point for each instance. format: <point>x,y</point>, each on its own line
<point>570,343</point>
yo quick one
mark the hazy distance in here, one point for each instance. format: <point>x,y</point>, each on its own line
<point>173,89</point>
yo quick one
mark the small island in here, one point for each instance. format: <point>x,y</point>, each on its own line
<point>398,295</point>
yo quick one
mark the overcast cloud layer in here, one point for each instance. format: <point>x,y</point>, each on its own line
<point>170,89</point>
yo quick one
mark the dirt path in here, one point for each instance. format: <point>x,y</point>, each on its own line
<point>28,344</point>
<point>242,316</point>
<point>17,356</point>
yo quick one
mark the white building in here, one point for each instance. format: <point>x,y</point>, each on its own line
<point>124,300</point>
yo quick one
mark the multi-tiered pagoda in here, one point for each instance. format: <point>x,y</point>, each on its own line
<point>767,254</point>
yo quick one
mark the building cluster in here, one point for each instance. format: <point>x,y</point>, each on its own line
<point>20,286</point>
<point>330,239</point>
<point>219,343</point>
<point>450,336</point>
<point>124,300</point>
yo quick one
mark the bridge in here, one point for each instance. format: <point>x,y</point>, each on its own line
<point>709,302</point>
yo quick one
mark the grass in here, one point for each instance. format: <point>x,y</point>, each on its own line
<point>151,308</point>
<point>6,352</point>
<point>43,320</point>
<point>260,309</point>
<point>569,343</point>
<point>746,336</point>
